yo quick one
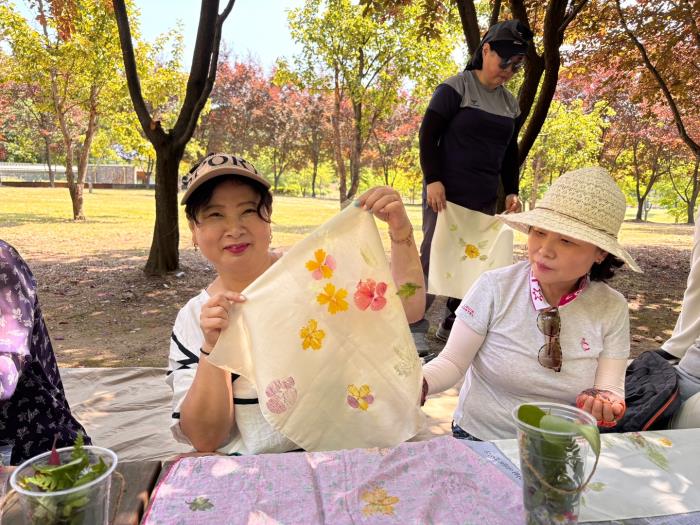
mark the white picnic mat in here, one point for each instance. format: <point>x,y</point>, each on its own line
<point>128,410</point>
<point>639,475</point>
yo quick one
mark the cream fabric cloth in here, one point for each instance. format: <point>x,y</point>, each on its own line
<point>640,474</point>
<point>466,243</point>
<point>324,338</point>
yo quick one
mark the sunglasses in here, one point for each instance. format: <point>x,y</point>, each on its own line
<point>516,63</point>
<point>549,323</point>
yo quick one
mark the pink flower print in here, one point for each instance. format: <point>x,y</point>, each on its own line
<point>281,395</point>
<point>584,345</point>
<point>370,294</point>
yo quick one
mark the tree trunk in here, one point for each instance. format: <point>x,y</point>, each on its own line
<point>694,195</point>
<point>164,254</point>
<point>640,210</point>
<point>356,152</point>
<point>337,142</point>
<point>313,178</point>
<point>47,150</point>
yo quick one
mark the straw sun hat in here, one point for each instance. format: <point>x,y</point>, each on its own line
<point>583,204</point>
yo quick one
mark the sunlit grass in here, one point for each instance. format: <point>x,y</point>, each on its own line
<point>38,221</point>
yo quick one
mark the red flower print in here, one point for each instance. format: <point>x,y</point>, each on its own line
<point>370,294</point>
<point>281,395</point>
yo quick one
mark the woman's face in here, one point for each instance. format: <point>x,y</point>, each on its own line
<point>493,75</point>
<point>558,260</point>
<point>231,234</point>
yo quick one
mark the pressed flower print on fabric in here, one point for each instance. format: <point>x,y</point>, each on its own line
<point>281,395</point>
<point>370,294</point>
<point>335,299</point>
<point>200,503</point>
<point>311,336</point>
<point>322,266</point>
<point>361,397</point>
<point>378,501</point>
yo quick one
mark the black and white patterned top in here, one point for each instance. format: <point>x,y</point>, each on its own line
<point>33,406</point>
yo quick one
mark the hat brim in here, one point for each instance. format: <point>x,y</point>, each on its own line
<point>563,225</point>
<point>217,172</point>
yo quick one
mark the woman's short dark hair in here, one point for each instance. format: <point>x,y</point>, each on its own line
<point>606,269</point>
<point>202,196</point>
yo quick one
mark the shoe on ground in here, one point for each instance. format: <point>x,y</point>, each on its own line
<point>442,333</point>
<point>421,342</point>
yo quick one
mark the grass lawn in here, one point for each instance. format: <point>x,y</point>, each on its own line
<point>103,311</point>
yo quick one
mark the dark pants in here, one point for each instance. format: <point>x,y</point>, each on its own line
<point>429,222</point>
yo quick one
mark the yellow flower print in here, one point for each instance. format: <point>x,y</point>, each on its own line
<point>378,502</point>
<point>666,442</point>
<point>360,398</point>
<point>322,266</point>
<point>335,299</point>
<point>311,336</point>
<point>471,251</point>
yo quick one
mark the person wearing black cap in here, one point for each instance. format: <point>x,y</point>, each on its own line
<point>468,140</point>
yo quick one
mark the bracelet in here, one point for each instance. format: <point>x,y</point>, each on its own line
<point>407,240</point>
<point>201,351</point>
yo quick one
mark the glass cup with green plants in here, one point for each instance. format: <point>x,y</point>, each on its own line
<point>553,441</point>
<point>68,486</point>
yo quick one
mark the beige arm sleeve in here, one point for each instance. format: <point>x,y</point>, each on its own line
<point>452,364</point>
<point>610,375</point>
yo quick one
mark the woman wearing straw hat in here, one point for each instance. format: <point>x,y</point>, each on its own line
<point>546,329</point>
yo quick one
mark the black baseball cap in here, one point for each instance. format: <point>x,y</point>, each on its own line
<point>507,38</point>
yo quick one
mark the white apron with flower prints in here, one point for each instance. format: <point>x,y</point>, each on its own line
<point>324,338</point>
<point>466,243</point>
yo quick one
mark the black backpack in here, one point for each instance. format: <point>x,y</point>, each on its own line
<point>651,395</point>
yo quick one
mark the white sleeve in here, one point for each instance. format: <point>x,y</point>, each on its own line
<point>610,375</point>
<point>687,329</point>
<point>476,309</point>
<point>183,359</point>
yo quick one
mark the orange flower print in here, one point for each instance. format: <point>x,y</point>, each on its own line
<point>311,336</point>
<point>281,395</point>
<point>377,501</point>
<point>322,266</point>
<point>360,398</point>
<point>370,294</point>
<point>471,251</point>
<point>335,299</point>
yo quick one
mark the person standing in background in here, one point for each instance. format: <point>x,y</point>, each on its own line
<point>469,142</point>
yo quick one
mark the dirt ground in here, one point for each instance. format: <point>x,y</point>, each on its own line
<point>106,312</point>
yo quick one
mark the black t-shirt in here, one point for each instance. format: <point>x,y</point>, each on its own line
<point>468,140</point>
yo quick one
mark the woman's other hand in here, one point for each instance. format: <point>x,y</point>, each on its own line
<point>215,315</point>
<point>386,204</point>
<point>513,204</point>
<point>607,407</point>
<point>435,195</point>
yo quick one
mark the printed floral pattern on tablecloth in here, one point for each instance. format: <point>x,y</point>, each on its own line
<point>281,394</point>
<point>334,298</point>
<point>370,294</point>
<point>377,501</point>
<point>403,484</point>
<point>311,336</point>
<point>322,265</point>
<point>360,397</point>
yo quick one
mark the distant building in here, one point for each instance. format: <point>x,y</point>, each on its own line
<point>96,173</point>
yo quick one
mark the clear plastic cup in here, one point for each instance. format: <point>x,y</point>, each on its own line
<point>84,505</point>
<point>553,466</point>
<point>5,461</point>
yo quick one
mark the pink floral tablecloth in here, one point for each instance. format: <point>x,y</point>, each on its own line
<point>438,481</point>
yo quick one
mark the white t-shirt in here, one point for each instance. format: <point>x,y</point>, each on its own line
<point>506,372</point>
<point>251,433</point>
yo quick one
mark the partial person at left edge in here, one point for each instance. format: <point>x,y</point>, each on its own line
<point>33,407</point>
